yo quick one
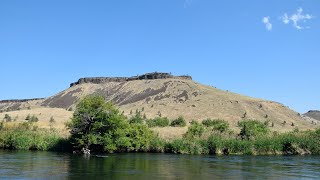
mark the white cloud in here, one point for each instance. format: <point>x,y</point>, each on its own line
<point>296,18</point>
<point>285,19</point>
<point>266,21</point>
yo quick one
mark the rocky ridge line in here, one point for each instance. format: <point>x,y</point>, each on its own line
<point>147,76</point>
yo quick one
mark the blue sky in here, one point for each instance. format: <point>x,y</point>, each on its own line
<point>248,47</point>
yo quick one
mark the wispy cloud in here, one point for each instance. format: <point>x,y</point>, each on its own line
<point>266,21</point>
<point>296,18</point>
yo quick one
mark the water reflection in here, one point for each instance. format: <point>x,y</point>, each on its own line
<point>44,165</point>
<point>33,165</point>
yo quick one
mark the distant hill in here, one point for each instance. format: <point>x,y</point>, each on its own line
<point>313,114</point>
<point>162,94</point>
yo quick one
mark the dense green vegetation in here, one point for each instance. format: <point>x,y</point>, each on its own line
<point>27,136</point>
<point>216,125</point>
<point>179,122</point>
<point>97,126</point>
<point>158,122</point>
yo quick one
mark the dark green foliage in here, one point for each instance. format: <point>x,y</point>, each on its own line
<point>217,124</point>
<point>195,130</point>
<point>215,144</point>
<point>184,146</point>
<point>157,145</point>
<point>158,122</point>
<point>177,146</point>
<point>98,126</point>
<point>179,122</point>
<point>252,128</point>
<point>313,141</point>
<point>140,137</point>
<point>7,118</point>
<point>235,146</point>
<point>267,145</point>
<point>137,119</point>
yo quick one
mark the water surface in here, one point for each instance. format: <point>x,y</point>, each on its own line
<point>49,165</point>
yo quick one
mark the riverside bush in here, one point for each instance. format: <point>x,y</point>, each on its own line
<point>195,130</point>
<point>217,124</point>
<point>268,145</point>
<point>140,137</point>
<point>137,119</point>
<point>252,128</point>
<point>157,145</point>
<point>235,146</point>
<point>179,122</point>
<point>158,122</point>
<point>22,137</point>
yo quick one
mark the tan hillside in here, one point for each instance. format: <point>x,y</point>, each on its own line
<point>170,96</point>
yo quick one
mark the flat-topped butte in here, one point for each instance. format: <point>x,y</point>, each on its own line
<point>147,76</point>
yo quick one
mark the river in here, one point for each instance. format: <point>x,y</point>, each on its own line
<point>50,165</point>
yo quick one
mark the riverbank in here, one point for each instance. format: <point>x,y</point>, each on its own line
<point>27,136</point>
<point>98,127</point>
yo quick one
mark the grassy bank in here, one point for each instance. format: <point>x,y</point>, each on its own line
<point>286,144</point>
<point>98,127</point>
<point>27,136</point>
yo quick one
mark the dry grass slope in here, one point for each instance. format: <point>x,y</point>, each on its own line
<point>169,98</point>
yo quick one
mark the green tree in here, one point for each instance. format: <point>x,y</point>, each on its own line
<point>97,125</point>
<point>158,122</point>
<point>217,124</point>
<point>137,119</point>
<point>252,128</point>
<point>179,122</point>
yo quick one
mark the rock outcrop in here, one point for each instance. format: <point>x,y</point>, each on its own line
<point>147,76</point>
<point>20,100</point>
<point>313,114</point>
